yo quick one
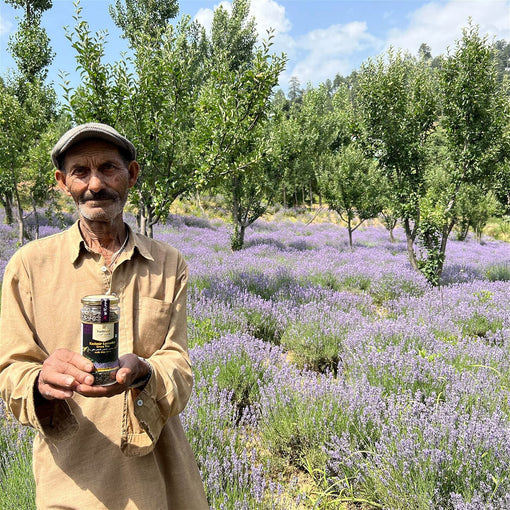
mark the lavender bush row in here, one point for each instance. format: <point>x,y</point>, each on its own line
<point>420,385</point>
<point>231,373</point>
<point>326,375</point>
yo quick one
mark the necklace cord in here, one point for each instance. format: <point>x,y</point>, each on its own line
<point>116,255</point>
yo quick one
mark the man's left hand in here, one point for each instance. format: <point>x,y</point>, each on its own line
<point>131,369</point>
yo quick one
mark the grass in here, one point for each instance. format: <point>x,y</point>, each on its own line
<point>498,272</point>
<point>498,228</point>
<point>17,486</point>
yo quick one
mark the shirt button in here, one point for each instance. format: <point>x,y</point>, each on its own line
<point>104,269</point>
<point>139,403</point>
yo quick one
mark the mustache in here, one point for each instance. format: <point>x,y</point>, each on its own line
<point>99,195</point>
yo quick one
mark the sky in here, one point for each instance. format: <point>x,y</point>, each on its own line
<point>321,38</point>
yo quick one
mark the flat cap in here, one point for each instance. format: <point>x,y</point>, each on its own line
<point>87,131</point>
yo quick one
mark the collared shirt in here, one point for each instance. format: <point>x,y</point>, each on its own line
<point>124,452</point>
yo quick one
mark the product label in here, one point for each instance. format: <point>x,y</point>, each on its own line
<point>103,332</point>
<point>100,342</point>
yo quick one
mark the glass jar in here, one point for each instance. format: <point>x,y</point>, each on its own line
<point>100,336</point>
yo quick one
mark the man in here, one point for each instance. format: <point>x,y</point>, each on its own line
<point>127,451</point>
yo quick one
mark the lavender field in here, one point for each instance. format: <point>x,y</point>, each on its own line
<point>330,378</point>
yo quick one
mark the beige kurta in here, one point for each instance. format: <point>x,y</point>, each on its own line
<point>124,452</point>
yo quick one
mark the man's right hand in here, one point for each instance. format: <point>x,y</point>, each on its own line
<point>61,372</point>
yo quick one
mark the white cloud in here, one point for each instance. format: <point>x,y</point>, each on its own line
<point>331,51</point>
<point>269,14</point>
<point>314,71</point>
<point>338,39</point>
<point>323,53</point>
<point>440,24</point>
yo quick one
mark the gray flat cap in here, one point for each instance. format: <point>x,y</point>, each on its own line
<point>87,131</point>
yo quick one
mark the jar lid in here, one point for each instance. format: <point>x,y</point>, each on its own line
<point>97,298</point>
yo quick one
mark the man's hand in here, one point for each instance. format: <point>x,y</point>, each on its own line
<point>131,369</point>
<point>65,372</point>
<point>62,372</point>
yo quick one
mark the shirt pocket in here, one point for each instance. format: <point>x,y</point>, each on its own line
<point>151,325</point>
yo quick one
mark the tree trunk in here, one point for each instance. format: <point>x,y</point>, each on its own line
<point>284,197</point>
<point>410,245</point>
<point>36,218</point>
<point>389,223</point>
<point>146,220</point>
<point>349,228</point>
<point>237,239</point>
<point>21,220</point>
<point>142,223</point>
<point>7,203</point>
<point>199,202</point>
<point>463,230</point>
<point>447,229</point>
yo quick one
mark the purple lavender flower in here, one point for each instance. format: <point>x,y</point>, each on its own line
<point>344,366</point>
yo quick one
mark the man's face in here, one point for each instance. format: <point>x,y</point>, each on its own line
<point>97,178</point>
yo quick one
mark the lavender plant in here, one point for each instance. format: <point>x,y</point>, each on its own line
<point>220,423</point>
<point>16,481</point>
<point>325,375</point>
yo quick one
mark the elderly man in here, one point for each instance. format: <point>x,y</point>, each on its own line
<point>119,446</point>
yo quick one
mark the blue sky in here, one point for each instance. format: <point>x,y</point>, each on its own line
<point>320,37</point>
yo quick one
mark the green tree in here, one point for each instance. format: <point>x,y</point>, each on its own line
<point>298,166</point>
<point>475,113</point>
<point>31,51</point>
<point>233,36</point>
<point>349,182</point>
<point>295,90</point>
<point>142,18</point>
<point>286,143</point>
<point>387,214</point>
<point>424,52</point>
<point>93,99</point>
<point>160,114</point>
<point>13,121</point>
<point>502,48</point>
<point>317,120</point>
<point>28,109</point>
<point>32,8</point>
<point>233,138</point>
<point>23,177</point>
<point>474,211</point>
<point>397,106</point>
<point>323,119</point>
<point>150,96</point>
<point>191,113</point>
<point>502,185</point>
<point>305,134</point>
<point>502,176</point>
